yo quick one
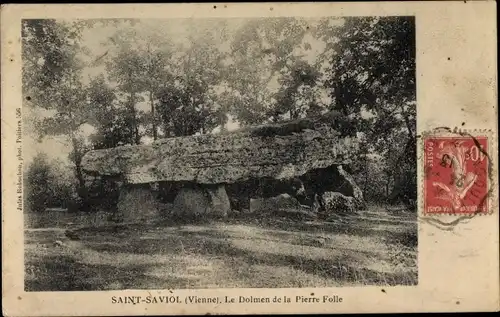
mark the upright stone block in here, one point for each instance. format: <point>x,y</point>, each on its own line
<point>137,203</point>
<point>191,203</point>
<point>219,201</point>
<point>352,189</point>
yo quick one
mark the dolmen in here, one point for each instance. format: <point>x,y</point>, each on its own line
<point>212,175</point>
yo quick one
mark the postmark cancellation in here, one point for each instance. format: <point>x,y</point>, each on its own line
<point>457,172</point>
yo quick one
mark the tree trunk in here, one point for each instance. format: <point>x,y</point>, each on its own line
<point>387,185</point>
<point>137,139</point>
<point>203,120</point>
<point>166,130</point>
<point>81,189</point>
<point>365,183</point>
<point>78,162</point>
<point>155,135</point>
<point>79,174</point>
<point>402,190</point>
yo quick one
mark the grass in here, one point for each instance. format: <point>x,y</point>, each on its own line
<point>374,247</point>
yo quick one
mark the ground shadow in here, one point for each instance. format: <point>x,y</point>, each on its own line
<point>408,238</point>
<point>63,273</point>
<point>360,229</point>
<point>216,244</point>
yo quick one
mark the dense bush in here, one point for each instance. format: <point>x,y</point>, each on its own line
<point>47,186</point>
<point>50,185</point>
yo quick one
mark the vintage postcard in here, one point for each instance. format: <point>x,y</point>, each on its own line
<point>264,158</point>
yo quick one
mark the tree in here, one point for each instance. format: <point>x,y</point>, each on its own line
<point>266,52</point>
<point>295,98</point>
<point>38,180</point>
<point>155,77</point>
<point>186,109</point>
<point>46,185</point>
<point>371,80</point>
<point>52,68</point>
<point>188,102</point>
<point>49,54</point>
<point>142,63</point>
<point>126,69</point>
<point>112,124</point>
<point>48,51</point>
<point>373,70</point>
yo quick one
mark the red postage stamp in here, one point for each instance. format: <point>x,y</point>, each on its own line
<point>456,175</point>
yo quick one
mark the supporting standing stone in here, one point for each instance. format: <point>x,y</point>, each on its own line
<point>219,201</point>
<point>352,188</point>
<point>333,178</point>
<point>335,203</point>
<point>201,201</point>
<point>137,204</point>
<point>191,203</point>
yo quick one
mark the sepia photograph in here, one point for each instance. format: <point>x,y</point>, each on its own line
<point>198,153</point>
<point>258,158</point>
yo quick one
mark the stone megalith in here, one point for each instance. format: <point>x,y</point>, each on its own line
<point>333,178</point>
<point>220,205</point>
<point>191,203</point>
<point>201,202</point>
<point>352,188</point>
<point>330,203</point>
<point>265,191</point>
<point>137,204</point>
<point>275,157</point>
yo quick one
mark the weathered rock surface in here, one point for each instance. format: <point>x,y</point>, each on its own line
<point>277,151</point>
<point>333,178</point>
<point>137,203</point>
<point>201,202</point>
<point>352,189</point>
<point>191,203</point>
<point>220,205</point>
<point>334,203</point>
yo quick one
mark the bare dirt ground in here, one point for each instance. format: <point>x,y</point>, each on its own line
<point>375,247</point>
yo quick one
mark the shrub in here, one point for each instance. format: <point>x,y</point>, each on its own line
<point>46,185</point>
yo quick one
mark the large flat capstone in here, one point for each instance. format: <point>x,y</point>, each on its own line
<point>278,151</point>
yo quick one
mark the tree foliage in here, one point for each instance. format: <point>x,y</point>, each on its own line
<point>266,52</point>
<point>188,102</point>
<point>51,80</point>
<point>46,185</point>
<point>371,80</point>
<point>159,85</point>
